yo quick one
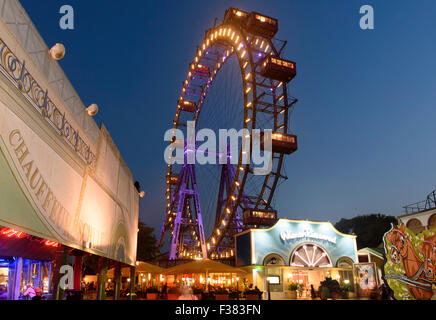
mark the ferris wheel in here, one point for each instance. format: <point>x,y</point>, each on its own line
<point>236,80</point>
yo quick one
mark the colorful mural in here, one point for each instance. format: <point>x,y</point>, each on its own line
<point>409,269</point>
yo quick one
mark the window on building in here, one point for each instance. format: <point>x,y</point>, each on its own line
<point>432,222</point>
<point>415,225</point>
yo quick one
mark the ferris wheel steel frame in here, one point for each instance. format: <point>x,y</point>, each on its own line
<point>261,95</point>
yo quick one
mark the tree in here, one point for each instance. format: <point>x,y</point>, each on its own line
<point>147,241</point>
<point>369,229</point>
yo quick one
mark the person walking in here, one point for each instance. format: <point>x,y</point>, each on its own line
<point>29,293</point>
<point>312,292</point>
<point>187,294</point>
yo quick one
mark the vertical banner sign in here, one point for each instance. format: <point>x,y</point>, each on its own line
<point>366,276</point>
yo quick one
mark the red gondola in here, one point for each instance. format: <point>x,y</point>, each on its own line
<point>278,69</point>
<point>188,106</point>
<point>259,217</point>
<point>236,17</point>
<point>281,143</point>
<point>261,25</point>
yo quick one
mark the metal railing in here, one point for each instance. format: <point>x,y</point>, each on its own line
<point>428,203</point>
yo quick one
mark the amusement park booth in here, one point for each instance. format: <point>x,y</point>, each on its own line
<point>65,191</point>
<point>293,251</point>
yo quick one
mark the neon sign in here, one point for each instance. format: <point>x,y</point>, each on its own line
<point>8,232</point>
<point>308,233</point>
<point>12,233</point>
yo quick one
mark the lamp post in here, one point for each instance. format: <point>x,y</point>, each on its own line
<point>237,288</point>
<point>269,290</point>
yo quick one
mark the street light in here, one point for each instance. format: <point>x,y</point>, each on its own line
<point>92,110</point>
<point>57,52</point>
<point>237,287</point>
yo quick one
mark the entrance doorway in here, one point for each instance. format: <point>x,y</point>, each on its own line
<point>306,278</point>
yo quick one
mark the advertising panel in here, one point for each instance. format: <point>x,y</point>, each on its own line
<point>409,269</point>
<point>53,194</point>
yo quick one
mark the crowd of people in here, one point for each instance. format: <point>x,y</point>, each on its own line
<point>199,292</point>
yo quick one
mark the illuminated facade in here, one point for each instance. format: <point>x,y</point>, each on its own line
<point>62,179</point>
<point>296,251</point>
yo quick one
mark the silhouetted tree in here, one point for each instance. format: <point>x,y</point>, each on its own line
<point>146,242</point>
<point>369,229</point>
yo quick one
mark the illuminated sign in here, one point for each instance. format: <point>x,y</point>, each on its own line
<point>296,242</point>
<point>273,279</point>
<point>61,199</point>
<point>11,233</point>
<point>307,233</point>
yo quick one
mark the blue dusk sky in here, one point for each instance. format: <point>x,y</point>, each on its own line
<point>367,98</point>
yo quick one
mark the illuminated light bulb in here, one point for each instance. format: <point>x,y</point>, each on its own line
<point>245,65</point>
<point>266,48</point>
<point>237,38</point>
<point>57,52</point>
<point>248,75</point>
<point>261,45</point>
<point>243,54</point>
<point>248,90</point>
<point>223,222</point>
<point>248,120</point>
<point>92,109</point>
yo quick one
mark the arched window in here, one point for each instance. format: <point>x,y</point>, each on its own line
<point>345,263</point>
<point>415,225</point>
<point>310,255</point>
<point>273,260</point>
<point>432,221</point>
